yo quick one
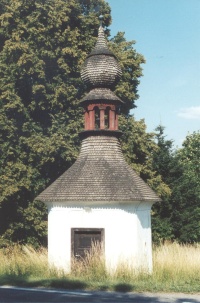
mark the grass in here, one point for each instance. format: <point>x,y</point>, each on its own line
<point>176,269</point>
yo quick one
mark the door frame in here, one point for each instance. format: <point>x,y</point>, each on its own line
<point>73,230</point>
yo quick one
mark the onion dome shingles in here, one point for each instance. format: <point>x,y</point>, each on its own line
<point>101,68</point>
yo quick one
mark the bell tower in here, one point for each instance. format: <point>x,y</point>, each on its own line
<point>100,73</point>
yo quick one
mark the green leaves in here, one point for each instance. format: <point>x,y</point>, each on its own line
<point>186,191</point>
<point>179,211</point>
<point>190,155</point>
<point>42,47</point>
<point>139,149</point>
<point>130,62</point>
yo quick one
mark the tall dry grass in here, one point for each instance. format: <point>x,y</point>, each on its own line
<point>22,260</point>
<point>92,265</point>
<point>177,264</point>
<point>177,258</point>
<point>176,268</point>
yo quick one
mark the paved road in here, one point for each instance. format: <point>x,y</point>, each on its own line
<point>35,295</point>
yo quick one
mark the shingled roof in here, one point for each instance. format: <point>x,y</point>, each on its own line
<point>101,68</point>
<point>101,94</point>
<point>99,174</point>
<point>101,47</point>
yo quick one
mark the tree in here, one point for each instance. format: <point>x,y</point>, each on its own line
<point>164,165</point>
<point>42,48</point>
<point>139,149</point>
<point>130,62</point>
<point>178,216</point>
<point>185,198</point>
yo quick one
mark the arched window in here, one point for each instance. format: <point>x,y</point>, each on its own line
<point>97,117</point>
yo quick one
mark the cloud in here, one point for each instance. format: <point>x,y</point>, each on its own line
<point>190,113</point>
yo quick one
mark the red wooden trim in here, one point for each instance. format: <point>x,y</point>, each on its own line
<point>116,121</point>
<point>91,119</point>
<point>100,106</point>
<point>87,120</point>
<point>111,119</point>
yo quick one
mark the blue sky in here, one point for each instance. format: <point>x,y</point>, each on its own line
<point>167,33</point>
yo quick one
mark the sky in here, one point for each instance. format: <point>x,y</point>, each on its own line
<point>167,34</point>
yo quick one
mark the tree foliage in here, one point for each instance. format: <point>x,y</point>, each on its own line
<point>186,191</point>
<point>178,216</point>
<point>42,48</point>
<point>130,62</point>
<point>163,164</point>
<point>43,45</point>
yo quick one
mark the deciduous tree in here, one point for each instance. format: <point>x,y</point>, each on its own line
<point>43,45</point>
<point>185,198</point>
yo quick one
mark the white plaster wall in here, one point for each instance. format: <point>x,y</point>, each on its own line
<point>144,236</point>
<point>127,233</point>
<point>59,238</point>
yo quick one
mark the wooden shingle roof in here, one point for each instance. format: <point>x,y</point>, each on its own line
<point>101,47</point>
<point>101,68</point>
<point>101,94</point>
<point>99,174</point>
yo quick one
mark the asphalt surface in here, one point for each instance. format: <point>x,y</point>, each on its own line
<point>37,295</point>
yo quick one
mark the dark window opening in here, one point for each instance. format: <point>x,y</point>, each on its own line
<point>97,117</point>
<point>82,240</point>
<point>107,117</point>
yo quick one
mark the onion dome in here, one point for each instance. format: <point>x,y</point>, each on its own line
<point>101,68</point>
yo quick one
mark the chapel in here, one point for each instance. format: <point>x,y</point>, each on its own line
<point>100,198</point>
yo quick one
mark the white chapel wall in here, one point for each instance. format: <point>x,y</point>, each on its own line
<point>127,233</point>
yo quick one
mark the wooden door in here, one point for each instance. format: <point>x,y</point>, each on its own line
<point>82,240</point>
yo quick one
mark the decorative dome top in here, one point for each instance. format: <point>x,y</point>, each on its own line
<point>101,47</point>
<point>101,68</point>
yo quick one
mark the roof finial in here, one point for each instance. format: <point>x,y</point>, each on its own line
<point>101,20</point>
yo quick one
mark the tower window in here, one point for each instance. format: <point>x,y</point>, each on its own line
<point>97,117</point>
<point>107,117</point>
